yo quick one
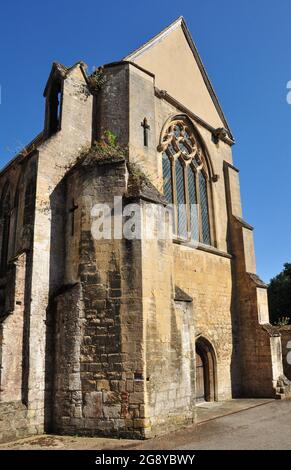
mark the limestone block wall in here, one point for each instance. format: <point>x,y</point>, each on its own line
<point>204,275</point>
<point>15,417</point>
<point>56,154</point>
<point>16,290</point>
<point>142,106</point>
<point>68,330</point>
<point>111,106</point>
<point>259,344</point>
<point>260,348</point>
<point>14,422</point>
<point>125,345</point>
<point>170,367</point>
<point>100,370</point>
<point>169,338</point>
<point>11,357</point>
<point>207,278</point>
<point>19,180</point>
<point>125,99</point>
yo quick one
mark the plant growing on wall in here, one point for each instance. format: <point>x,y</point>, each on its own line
<point>96,80</point>
<point>110,138</point>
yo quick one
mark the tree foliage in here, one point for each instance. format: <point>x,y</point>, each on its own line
<point>279,293</point>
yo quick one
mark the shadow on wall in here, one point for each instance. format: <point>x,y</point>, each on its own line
<point>56,276</point>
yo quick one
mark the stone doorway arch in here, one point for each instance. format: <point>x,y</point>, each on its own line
<point>206,371</point>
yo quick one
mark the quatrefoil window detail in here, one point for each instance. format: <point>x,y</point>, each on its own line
<point>179,141</point>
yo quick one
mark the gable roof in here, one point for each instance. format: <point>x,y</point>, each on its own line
<point>138,56</point>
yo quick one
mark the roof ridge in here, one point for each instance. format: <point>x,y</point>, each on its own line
<point>162,34</point>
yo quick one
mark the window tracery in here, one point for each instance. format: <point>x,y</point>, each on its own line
<point>186,180</point>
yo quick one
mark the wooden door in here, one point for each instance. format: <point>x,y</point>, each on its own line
<point>200,386</point>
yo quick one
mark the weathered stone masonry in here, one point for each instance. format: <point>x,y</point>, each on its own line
<point>99,363</point>
<point>122,337</point>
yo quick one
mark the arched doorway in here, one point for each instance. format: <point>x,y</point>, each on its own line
<point>205,371</point>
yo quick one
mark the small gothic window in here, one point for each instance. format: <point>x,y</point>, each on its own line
<point>29,199</point>
<point>186,181</point>
<point>54,108</point>
<point>5,214</point>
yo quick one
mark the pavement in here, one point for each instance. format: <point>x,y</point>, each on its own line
<point>209,410</point>
<point>232,425</point>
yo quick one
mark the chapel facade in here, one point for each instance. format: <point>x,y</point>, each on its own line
<point>124,336</point>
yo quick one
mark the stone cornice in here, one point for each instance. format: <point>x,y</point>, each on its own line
<point>229,165</point>
<point>181,296</point>
<point>243,223</point>
<point>202,247</point>
<point>163,94</point>
<point>257,280</point>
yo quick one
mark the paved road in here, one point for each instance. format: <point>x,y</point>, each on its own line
<point>260,428</point>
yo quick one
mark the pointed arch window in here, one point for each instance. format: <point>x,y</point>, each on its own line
<point>29,201</point>
<point>186,181</point>
<point>53,107</point>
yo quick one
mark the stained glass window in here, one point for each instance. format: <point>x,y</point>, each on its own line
<point>183,155</point>
<point>183,148</point>
<point>205,229</point>
<point>177,130</point>
<point>193,206</point>
<point>167,178</point>
<point>181,201</point>
<point>171,149</point>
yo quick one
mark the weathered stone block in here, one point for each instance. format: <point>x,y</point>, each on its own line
<point>112,412</point>
<point>93,405</point>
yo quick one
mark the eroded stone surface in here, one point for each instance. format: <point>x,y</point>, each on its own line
<point>99,337</point>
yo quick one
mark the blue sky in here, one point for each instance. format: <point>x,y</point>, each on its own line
<point>245,46</point>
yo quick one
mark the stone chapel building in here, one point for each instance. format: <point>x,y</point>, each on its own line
<point>123,336</point>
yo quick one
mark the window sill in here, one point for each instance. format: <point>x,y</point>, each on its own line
<point>202,247</point>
